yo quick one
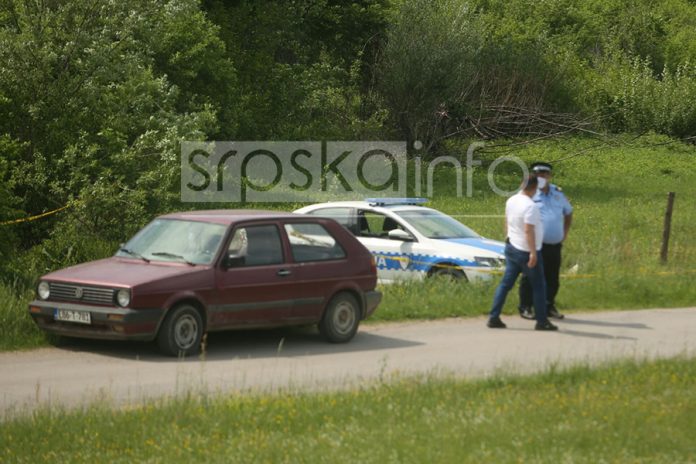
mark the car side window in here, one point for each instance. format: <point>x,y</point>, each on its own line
<point>259,245</point>
<point>371,224</point>
<point>343,216</point>
<point>312,242</point>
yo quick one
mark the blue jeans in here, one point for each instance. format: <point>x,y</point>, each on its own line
<point>516,263</point>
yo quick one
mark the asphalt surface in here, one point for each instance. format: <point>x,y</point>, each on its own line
<point>84,371</point>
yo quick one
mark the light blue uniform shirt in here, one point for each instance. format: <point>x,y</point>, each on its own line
<point>554,206</point>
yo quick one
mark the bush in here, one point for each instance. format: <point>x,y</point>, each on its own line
<point>428,65</point>
<point>630,98</point>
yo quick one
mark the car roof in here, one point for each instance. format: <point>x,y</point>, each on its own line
<point>229,216</point>
<point>364,204</point>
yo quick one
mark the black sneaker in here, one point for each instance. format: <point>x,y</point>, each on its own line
<point>526,313</point>
<point>496,323</point>
<point>553,312</point>
<point>546,325</point>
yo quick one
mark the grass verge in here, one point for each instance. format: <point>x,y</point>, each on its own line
<point>438,298</point>
<point>626,412</point>
<point>18,329</point>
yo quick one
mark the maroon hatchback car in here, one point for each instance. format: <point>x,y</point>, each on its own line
<point>192,272</point>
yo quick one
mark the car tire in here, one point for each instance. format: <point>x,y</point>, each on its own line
<point>449,273</point>
<point>181,332</point>
<point>341,319</point>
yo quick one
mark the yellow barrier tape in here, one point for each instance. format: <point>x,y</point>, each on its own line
<point>691,271</point>
<point>579,276</point>
<point>500,271</point>
<point>642,272</point>
<point>33,218</point>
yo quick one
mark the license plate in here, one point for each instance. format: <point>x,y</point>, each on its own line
<point>70,315</point>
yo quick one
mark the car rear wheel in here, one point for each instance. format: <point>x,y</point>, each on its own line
<point>181,332</point>
<point>341,319</point>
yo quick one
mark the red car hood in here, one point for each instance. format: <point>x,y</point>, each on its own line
<point>120,272</point>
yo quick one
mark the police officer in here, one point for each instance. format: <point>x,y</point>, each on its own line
<point>556,216</point>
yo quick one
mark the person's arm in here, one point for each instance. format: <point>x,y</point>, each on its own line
<point>567,221</point>
<point>530,235</point>
<point>567,216</point>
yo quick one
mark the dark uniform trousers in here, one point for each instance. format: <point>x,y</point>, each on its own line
<point>551,255</point>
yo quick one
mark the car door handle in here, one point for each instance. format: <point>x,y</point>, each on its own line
<point>283,272</point>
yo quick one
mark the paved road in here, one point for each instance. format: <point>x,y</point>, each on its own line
<point>125,373</point>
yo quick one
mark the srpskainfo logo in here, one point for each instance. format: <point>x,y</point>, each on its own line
<point>291,171</point>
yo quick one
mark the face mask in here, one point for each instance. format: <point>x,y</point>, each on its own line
<point>542,182</point>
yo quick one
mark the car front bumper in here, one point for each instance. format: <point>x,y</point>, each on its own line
<point>107,323</point>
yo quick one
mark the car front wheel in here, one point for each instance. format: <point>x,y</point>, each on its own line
<point>341,319</point>
<point>448,273</point>
<point>181,332</point>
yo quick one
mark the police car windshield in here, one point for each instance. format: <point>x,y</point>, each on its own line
<point>434,224</point>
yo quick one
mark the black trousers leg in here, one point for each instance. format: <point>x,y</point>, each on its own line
<point>552,269</point>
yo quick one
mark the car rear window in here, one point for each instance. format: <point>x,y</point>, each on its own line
<point>312,242</point>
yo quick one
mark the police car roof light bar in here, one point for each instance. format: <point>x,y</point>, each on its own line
<point>395,201</point>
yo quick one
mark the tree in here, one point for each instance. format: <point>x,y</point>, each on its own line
<point>102,95</point>
<point>428,65</point>
<point>304,66</point>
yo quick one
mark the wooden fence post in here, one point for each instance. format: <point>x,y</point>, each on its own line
<point>667,228</point>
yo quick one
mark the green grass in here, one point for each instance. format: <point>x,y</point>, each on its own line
<point>18,329</point>
<point>626,412</point>
<point>435,299</point>
<point>618,190</point>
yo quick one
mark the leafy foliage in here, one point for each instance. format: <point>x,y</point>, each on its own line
<point>96,96</point>
<point>303,66</point>
<point>447,65</point>
<point>96,113</point>
<point>632,98</point>
<point>429,64</point>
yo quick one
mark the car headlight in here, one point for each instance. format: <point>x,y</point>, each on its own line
<point>123,297</point>
<point>490,262</point>
<point>44,290</point>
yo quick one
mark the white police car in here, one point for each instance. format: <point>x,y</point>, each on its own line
<point>410,241</point>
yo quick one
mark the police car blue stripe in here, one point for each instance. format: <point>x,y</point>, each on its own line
<point>416,262</point>
<point>479,243</point>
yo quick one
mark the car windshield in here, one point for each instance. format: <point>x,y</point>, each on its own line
<point>434,224</point>
<point>190,242</point>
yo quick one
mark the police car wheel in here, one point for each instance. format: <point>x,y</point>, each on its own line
<point>448,273</point>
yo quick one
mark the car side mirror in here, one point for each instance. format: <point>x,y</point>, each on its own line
<point>233,260</point>
<point>398,234</point>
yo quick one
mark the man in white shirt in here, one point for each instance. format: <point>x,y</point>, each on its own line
<point>522,255</point>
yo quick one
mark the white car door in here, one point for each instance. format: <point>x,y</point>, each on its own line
<point>396,259</point>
